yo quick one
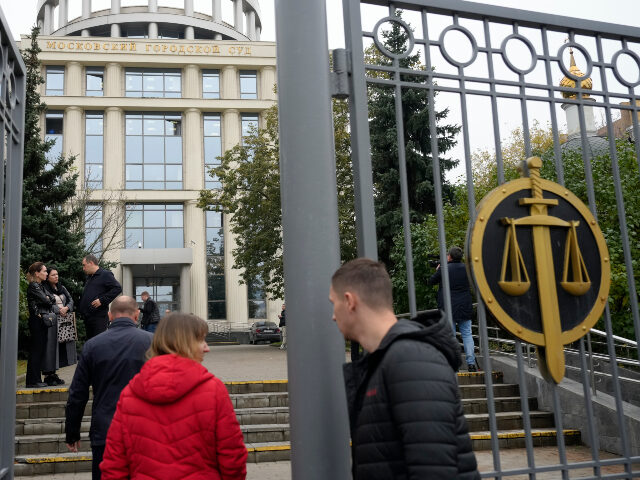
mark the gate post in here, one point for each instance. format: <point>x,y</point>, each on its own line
<point>318,412</point>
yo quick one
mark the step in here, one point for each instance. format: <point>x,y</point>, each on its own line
<point>501,404</point>
<point>509,420</point>
<point>279,451</point>
<point>473,378</point>
<point>480,390</point>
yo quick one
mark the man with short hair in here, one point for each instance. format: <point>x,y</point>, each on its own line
<point>99,291</point>
<point>283,326</point>
<point>150,313</point>
<point>461,301</point>
<point>405,411</point>
<point>108,362</point>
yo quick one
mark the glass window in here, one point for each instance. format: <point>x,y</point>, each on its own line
<point>257,299</point>
<point>153,149</point>
<point>95,81</point>
<point>210,84</point>
<point>93,150</point>
<point>212,149</point>
<point>215,266</point>
<point>93,229</point>
<point>249,121</point>
<point>55,81</point>
<point>153,83</point>
<point>152,225</point>
<point>53,133</point>
<point>248,84</point>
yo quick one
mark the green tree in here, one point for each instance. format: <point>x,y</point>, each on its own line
<point>417,138</point>
<point>47,220</point>
<point>250,177</point>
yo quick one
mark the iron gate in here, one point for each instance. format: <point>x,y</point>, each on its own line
<point>309,219</point>
<point>12,95</point>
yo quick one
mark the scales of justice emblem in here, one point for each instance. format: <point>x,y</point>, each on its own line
<point>540,263</point>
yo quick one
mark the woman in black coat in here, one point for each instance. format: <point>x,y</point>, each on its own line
<point>57,354</point>
<point>39,303</point>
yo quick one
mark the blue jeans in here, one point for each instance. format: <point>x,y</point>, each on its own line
<point>151,327</point>
<point>467,340</point>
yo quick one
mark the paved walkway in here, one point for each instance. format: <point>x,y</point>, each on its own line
<point>263,362</point>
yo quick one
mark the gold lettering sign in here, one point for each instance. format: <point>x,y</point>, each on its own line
<point>147,48</point>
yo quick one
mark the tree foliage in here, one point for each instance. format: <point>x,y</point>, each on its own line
<point>417,139</point>
<point>250,177</point>
<point>48,232</point>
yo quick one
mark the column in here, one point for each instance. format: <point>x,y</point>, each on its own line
<point>84,32</point>
<point>153,30</point>
<point>115,7</point>
<point>62,13</point>
<point>188,8</point>
<point>41,26</point>
<point>113,236</point>
<point>191,83</point>
<point>113,80</point>
<point>115,30</point>
<point>153,6</point>
<point>229,82</point>
<point>72,137</point>
<point>74,79</point>
<point>267,82</point>
<point>258,32</point>
<point>127,281</point>
<point>251,25</point>
<point>236,294</point>
<point>86,8</point>
<point>48,19</point>
<point>193,165</point>
<point>194,236</point>
<point>238,15</point>
<point>114,148</point>
<point>216,7</point>
<point>186,294</point>
<point>189,33</point>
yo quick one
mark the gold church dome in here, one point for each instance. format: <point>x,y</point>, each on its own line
<point>587,84</point>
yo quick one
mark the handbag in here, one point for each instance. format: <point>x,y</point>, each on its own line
<point>49,319</point>
<point>67,331</point>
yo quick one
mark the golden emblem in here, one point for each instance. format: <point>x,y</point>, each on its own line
<point>540,263</point>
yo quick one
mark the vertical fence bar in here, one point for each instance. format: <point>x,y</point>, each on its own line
<point>311,250</point>
<point>593,436</point>
<point>526,418</point>
<point>12,109</point>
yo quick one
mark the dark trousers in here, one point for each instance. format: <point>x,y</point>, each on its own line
<point>97,452</point>
<point>96,324</point>
<point>38,332</point>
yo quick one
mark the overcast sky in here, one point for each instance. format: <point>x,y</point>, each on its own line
<point>21,13</point>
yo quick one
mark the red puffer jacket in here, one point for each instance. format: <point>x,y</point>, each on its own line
<point>174,421</point>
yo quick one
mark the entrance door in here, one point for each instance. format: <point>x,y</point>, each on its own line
<point>164,290</point>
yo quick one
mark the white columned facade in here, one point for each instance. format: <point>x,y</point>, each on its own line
<point>72,131</point>
<point>193,158</point>
<point>236,294</point>
<point>62,13</point>
<point>113,236</point>
<point>153,30</point>
<point>195,238</point>
<point>191,82</point>
<point>230,83</point>
<point>267,82</point>
<point>73,80</point>
<point>238,16</point>
<point>48,19</point>
<point>113,80</point>
<point>114,147</point>
<point>251,25</point>
<point>86,8</point>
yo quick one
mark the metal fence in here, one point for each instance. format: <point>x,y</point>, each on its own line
<point>488,70</point>
<point>12,105</point>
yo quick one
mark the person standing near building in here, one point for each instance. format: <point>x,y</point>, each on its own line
<point>108,362</point>
<point>150,313</point>
<point>461,301</point>
<point>283,326</point>
<point>405,412</point>
<point>100,289</point>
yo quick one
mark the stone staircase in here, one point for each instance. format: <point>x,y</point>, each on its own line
<point>263,413</point>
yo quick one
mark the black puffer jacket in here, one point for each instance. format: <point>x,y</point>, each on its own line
<point>406,415</point>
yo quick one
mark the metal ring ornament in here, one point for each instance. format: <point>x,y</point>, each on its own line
<point>532,51</point>
<point>586,55</point>
<point>384,49</point>
<point>614,63</point>
<point>470,37</point>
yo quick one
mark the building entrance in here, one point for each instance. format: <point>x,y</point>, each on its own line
<point>164,290</point>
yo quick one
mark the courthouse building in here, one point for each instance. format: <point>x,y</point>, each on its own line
<point>146,97</point>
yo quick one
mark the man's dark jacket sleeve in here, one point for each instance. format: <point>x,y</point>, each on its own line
<point>112,288</point>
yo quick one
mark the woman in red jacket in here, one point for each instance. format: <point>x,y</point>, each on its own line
<point>175,419</point>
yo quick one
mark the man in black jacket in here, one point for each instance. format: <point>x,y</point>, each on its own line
<point>461,302</point>
<point>108,362</point>
<point>404,405</point>
<point>150,313</point>
<point>99,291</point>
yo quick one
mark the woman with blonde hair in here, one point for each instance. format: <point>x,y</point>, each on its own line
<point>41,322</point>
<point>175,419</point>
